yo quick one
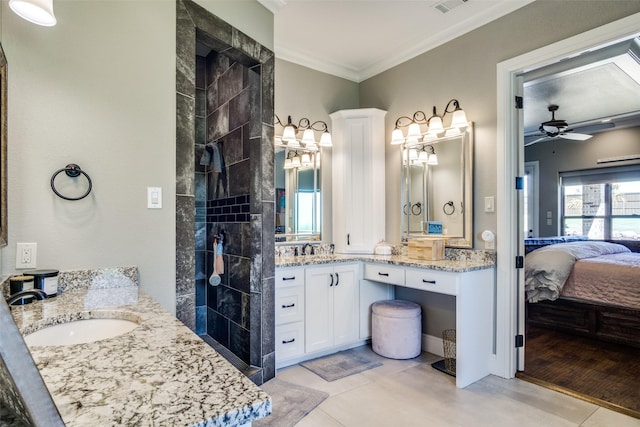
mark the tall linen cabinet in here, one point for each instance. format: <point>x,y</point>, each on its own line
<point>358,179</point>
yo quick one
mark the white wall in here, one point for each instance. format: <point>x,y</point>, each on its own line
<point>302,92</point>
<point>465,69</point>
<point>98,90</point>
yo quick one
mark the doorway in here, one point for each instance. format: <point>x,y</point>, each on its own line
<point>511,164</point>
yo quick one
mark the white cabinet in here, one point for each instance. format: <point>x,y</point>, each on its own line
<point>473,291</point>
<point>358,183</point>
<point>331,300</point>
<point>289,314</point>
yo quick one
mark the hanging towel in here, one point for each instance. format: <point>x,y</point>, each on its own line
<point>211,156</point>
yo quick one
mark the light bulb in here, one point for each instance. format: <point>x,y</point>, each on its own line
<point>39,12</point>
<point>397,137</point>
<point>325,140</point>
<point>459,119</point>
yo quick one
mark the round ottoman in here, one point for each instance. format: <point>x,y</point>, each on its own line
<point>396,329</point>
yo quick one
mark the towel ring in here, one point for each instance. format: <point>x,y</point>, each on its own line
<point>73,171</point>
<point>416,209</point>
<point>449,208</point>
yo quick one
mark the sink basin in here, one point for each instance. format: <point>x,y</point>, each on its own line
<point>80,331</point>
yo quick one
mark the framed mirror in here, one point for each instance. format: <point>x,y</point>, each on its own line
<point>3,148</point>
<point>437,189</point>
<point>298,195</point>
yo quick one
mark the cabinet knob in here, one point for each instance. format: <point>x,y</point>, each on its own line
<point>331,284</point>
<point>433,282</point>
<point>288,305</point>
<point>288,341</point>
<point>289,278</point>
<point>383,274</point>
<point>337,279</point>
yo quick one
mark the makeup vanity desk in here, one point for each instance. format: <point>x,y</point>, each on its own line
<point>470,281</point>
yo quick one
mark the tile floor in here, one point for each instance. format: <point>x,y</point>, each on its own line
<point>407,393</point>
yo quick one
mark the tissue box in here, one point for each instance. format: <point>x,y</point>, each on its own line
<point>426,248</point>
<point>434,227</point>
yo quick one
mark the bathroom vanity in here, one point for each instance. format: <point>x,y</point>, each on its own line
<point>159,373</point>
<point>323,304</point>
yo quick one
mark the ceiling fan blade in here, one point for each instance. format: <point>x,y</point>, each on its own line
<point>527,143</point>
<point>575,136</point>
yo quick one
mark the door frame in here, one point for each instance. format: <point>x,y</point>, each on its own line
<point>505,362</point>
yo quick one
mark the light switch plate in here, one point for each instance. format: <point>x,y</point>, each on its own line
<point>154,197</point>
<point>489,204</point>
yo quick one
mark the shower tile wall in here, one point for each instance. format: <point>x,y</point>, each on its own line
<point>226,98</point>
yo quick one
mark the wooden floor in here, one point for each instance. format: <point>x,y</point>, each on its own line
<point>603,373</point>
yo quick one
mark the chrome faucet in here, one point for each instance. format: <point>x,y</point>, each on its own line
<point>30,292</point>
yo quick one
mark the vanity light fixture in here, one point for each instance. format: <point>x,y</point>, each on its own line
<point>39,12</point>
<point>434,125</point>
<point>290,131</point>
<point>427,154</point>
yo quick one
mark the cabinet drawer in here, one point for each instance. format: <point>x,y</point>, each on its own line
<point>384,273</point>
<point>432,280</point>
<point>289,304</point>
<point>289,341</point>
<point>289,277</point>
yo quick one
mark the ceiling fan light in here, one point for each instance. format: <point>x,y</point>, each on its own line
<point>39,12</point>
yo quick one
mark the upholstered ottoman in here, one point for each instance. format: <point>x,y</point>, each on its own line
<point>396,329</point>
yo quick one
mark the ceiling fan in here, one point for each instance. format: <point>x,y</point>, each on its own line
<point>557,128</point>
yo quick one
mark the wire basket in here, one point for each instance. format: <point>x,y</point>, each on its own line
<point>449,343</point>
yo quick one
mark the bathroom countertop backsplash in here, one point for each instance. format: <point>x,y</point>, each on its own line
<point>456,260</point>
<point>160,373</point>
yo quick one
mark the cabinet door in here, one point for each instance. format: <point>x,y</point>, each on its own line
<point>358,166</point>
<point>345,304</point>
<point>318,308</point>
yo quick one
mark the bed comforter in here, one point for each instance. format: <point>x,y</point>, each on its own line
<point>606,267</point>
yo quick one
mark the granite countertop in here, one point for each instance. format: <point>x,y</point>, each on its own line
<point>160,373</point>
<point>468,261</point>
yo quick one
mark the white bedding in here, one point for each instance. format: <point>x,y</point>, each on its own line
<point>547,268</point>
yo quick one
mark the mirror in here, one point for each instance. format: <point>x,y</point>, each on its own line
<point>3,148</point>
<point>298,195</point>
<point>437,199</point>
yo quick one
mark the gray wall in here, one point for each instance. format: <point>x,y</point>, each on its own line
<point>303,92</point>
<point>98,89</point>
<point>562,155</point>
<point>465,69</point>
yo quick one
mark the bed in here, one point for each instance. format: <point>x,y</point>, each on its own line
<point>590,288</point>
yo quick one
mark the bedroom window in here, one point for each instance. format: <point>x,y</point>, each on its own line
<point>604,205</point>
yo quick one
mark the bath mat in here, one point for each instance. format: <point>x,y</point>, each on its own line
<point>343,364</point>
<point>291,403</point>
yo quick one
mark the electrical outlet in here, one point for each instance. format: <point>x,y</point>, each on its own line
<point>26,255</point>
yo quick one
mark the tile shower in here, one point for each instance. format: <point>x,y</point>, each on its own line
<point>224,85</point>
